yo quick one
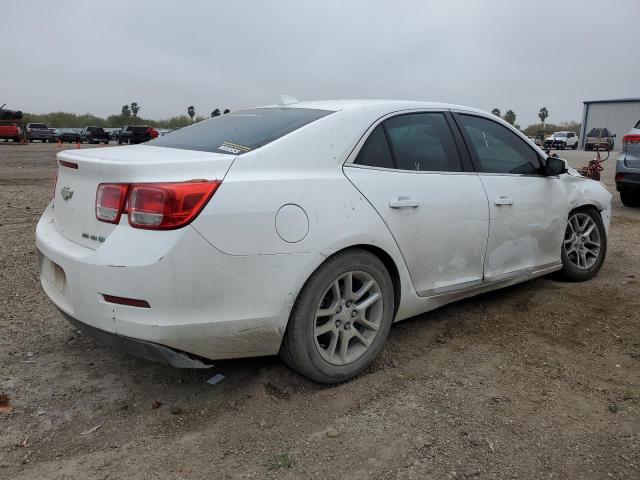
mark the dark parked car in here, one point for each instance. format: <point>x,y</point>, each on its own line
<point>67,135</point>
<point>94,135</point>
<point>137,134</point>
<point>39,131</point>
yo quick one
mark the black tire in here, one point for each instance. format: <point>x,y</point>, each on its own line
<point>16,139</point>
<point>31,140</point>
<point>588,148</point>
<point>575,146</point>
<point>569,270</point>
<point>299,349</point>
<point>563,145</point>
<point>630,198</point>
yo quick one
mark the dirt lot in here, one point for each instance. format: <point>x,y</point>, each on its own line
<point>540,380</point>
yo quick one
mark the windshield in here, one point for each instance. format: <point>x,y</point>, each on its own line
<point>95,129</point>
<point>37,125</point>
<point>560,134</point>
<point>239,132</point>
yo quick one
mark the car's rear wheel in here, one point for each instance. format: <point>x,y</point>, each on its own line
<point>584,246</point>
<point>575,145</point>
<point>341,318</point>
<point>630,198</point>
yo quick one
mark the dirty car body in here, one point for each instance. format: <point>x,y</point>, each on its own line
<point>271,204</point>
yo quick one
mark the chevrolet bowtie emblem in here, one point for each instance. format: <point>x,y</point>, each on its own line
<point>66,193</point>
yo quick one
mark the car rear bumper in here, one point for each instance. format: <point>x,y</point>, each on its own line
<point>627,180</point>
<point>627,172</point>
<point>200,300</point>
<point>140,348</point>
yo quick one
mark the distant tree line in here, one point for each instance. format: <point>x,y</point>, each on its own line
<point>129,115</point>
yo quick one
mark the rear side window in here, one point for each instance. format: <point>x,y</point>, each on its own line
<point>637,124</point>
<point>375,151</point>
<point>239,132</point>
<point>37,125</point>
<point>498,149</point>
<point>423,142</point>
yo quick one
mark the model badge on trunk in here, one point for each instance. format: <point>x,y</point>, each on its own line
<point>66,193</point>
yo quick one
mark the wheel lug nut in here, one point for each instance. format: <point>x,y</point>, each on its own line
<point>347,326</point>
<point>338,323</point>
<point>353,313</point>
<point>348,304</point>
<point>339,309</point>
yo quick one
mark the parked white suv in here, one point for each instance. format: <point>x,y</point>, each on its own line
<point>562,140</point>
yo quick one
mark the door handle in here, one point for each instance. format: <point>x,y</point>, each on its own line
<point>403,202</point>
<point>503,200</point>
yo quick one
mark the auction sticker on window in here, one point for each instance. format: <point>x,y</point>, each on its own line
<point>230,147</point>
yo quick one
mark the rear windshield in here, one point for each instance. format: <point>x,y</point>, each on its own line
<point>37,125</point>
<point>95,129</point>
<point>239,132</point>
<point>137,129</point>
<point>595,132</point>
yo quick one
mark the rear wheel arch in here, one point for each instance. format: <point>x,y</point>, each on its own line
<point>382,255</point>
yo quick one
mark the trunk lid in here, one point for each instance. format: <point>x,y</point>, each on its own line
<point>75,192</point>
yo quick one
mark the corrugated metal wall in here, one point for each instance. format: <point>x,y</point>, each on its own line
<point>617,117</point>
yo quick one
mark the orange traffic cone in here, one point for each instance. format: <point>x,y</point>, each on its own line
<point>59,143</point>
<point>78,144</point>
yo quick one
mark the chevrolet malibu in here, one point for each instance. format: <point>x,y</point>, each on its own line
<point>307,229</point>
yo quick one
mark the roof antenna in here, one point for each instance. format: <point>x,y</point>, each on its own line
<point>287,100</point>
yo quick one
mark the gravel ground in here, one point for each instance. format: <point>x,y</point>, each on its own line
<point>540,380</point>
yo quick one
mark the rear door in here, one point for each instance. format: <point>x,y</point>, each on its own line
<point>411,171</point>
<point>528,210</point>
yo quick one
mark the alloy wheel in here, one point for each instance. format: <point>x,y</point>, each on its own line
<point>582,243</point>
<point>348,317</point>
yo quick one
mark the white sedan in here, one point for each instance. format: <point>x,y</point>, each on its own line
<point>307,230</point>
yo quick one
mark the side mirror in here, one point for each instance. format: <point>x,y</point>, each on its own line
<point>555,166</point>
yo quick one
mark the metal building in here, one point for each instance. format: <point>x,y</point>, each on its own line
<point>619,116</point>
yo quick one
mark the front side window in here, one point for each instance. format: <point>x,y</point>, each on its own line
<point>498,149</point>
<point>424,142</point>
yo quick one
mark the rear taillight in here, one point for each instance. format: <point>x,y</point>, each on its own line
<point>110,201</point>
<point>619,177</point>
<point>154,206</point>
<point>631,139</point>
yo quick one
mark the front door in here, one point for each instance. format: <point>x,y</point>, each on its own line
<point>528,210</point>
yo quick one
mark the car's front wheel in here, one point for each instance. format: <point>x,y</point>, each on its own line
<point>341,318</point>
<point>584,247</point>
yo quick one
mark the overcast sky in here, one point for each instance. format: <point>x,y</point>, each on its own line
<point>94,56</point>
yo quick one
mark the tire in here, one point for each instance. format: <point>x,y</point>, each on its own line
<point>16,139</point>
<point>580,265</point>
<point>630,198</point>
<point>303,346</point>
<point>563,145</point>
<point>575,146</point>
<point>588,148</point>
